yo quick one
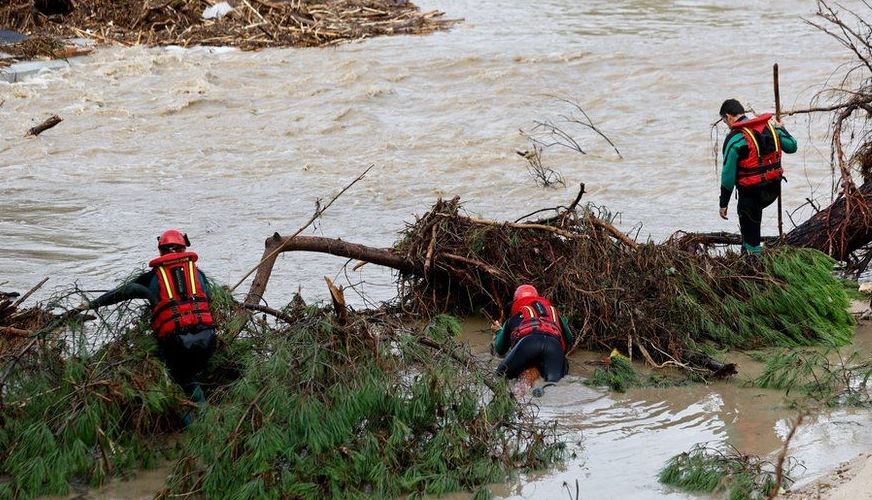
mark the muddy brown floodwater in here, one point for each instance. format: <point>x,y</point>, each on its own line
<point>231,146</point>
<point>619,442</point>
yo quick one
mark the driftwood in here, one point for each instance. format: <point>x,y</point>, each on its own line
<point>42,127</point>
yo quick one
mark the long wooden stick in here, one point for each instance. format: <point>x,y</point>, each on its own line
<point>29,293</point>
<point>318,211</point>
<point>778,118</point>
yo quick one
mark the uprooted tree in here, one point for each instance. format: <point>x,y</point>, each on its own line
<point>660,302</point>
<point>668,303</point>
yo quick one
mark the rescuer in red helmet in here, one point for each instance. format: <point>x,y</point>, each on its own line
<point>181,316</point>
<point>752,163</point>
<point>537,335</point>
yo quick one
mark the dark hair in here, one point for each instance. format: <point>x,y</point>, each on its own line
<point>731,107</point>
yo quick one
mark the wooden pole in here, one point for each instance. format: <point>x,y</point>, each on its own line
<point>778,118</point>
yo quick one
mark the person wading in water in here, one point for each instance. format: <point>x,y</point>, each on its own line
<point>752,163</point>
<point>181,316</point>
<point>538,336</point>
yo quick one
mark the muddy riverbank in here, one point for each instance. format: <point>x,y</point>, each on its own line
<point>617,443</point>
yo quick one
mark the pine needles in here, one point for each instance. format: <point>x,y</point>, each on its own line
<point>826,377</point>
<point>322,412</point>
<point>668,305</point>
<point>735,475</point>
<point>305,407</point>
<point>617,374</point>
<point>791,299</point>
<point>86,419</point>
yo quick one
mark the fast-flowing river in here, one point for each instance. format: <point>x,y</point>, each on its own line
<point>232,146</point>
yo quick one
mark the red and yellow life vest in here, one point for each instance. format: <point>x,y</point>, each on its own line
<point>537,316</point>
<point>763,163</point>
<point>183,303</point>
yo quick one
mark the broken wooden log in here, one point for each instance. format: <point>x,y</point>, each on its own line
<point>338,298</point>
<point>840,229</point>
<point>42,127</point>
<point>381,256</point>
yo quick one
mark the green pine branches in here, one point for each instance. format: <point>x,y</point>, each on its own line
<point>322,413</point>
<point>725,471</point>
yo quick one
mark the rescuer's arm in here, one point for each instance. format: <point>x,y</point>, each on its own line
<point>207,289</point>
<point>567,335</point>
<point>136,289</point>
<point>728,172</point>
<point>503,338</point>
<point>788,142</point>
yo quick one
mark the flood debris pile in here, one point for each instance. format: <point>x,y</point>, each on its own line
<point>42,46</point>
<point>248,24</point>
<point>17,323</point>
<point>304,406</point>
<point>726,472</point>
<point>657,301</point>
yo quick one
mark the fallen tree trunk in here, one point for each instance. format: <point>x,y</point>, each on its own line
<point>380,256</point>
<point>840,229</point>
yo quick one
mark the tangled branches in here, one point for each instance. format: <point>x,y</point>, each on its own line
<point>706,469</point>
<point>656,301</point>
<point>818,377</point>
<point>310,404</point>
<point>251,24</point>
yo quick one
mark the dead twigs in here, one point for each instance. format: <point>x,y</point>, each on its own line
<point>560,133</point>
<point>249,25</point>
<point>779,464</point>
<point>269,256</point>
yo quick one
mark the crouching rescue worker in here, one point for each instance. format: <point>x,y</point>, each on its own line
<point>181,316</point>
<point>752,164</point>
<point>538,336</point>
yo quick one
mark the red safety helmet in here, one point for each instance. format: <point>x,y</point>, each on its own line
<point>524,291</point>
<point>173,237</point>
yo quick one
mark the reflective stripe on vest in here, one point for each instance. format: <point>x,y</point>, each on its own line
<point>759,168</point>
<point>532,322</point>
<point>183,304</point>
<point>192,278</point>
<point>166,282</point>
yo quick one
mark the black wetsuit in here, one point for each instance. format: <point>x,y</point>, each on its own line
<point>535,349</point>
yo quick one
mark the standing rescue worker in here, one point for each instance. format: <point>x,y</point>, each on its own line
<point>181,317</point>
<point>538,335</point>
<point>752,163</point>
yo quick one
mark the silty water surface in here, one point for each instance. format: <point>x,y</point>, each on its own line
<point>232,146</point>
